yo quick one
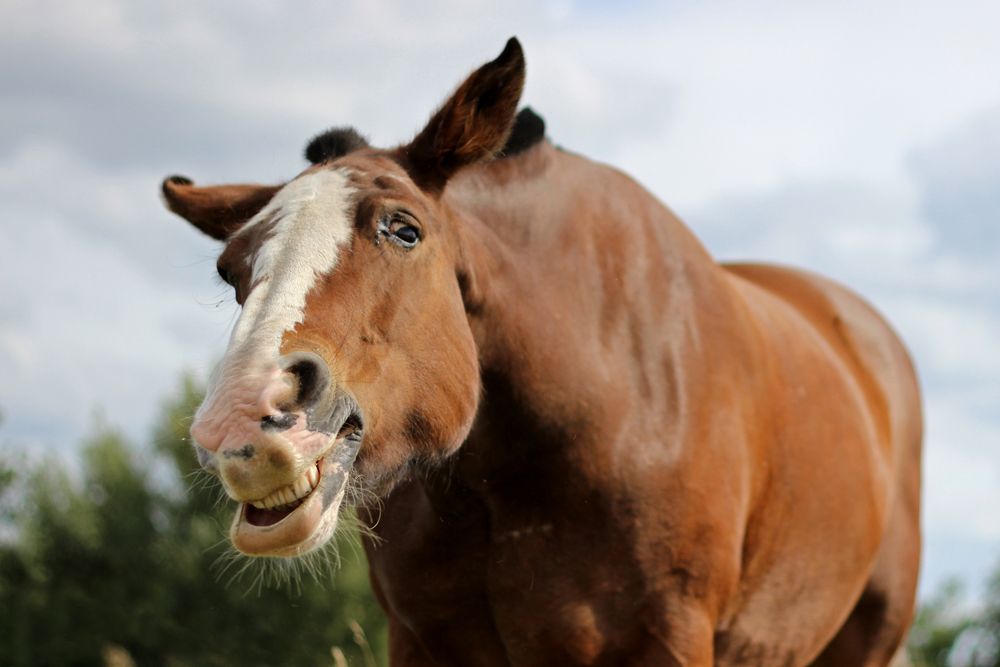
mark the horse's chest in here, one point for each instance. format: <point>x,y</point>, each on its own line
<point>557,606</point>
<point>530,592</point>
<point>566,591</point>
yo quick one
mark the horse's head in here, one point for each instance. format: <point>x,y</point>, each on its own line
<point>353,354</point>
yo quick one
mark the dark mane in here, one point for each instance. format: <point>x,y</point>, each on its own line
<point>528,130</point>
<point>335,142</point>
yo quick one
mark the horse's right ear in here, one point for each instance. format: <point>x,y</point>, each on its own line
<point>217,211</point>
<point>473,124</point>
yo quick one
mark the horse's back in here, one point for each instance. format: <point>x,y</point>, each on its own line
<point>883,370</point>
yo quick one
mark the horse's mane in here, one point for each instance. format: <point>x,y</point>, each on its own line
<point>528,130</point>
<point>335,142</point>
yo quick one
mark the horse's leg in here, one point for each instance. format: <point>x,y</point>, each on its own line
<point>874,632</point>
<point>680,635</point>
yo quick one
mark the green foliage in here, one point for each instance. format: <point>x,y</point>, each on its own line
<point>938,623</point>
<point>133,554</point>
<point>947,633</point>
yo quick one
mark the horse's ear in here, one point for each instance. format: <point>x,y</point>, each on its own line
<point>472,125</point>
<point>218,211</point>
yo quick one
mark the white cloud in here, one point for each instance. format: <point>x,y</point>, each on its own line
<point>951,339</point>
<point>812,90</point>
<point>963,472</point>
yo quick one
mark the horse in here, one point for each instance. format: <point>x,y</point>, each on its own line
<point>573,436</point>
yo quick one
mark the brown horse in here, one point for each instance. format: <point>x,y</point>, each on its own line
<point>591,443</point>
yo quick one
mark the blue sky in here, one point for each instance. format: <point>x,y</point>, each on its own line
<point>857,139</point>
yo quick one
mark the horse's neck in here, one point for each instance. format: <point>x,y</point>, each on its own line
<point>579,284</point>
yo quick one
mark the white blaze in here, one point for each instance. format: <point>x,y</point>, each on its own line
<point>311,226</point>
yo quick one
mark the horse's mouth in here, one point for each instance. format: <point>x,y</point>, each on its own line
<point>275,507</point>
<point>301,516</point>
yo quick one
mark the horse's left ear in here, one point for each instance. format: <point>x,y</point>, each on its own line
<point>217,211</point>
<point>472,125</point>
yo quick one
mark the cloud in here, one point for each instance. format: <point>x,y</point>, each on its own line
<point>960,176</point>
<point>770,92</point>
<point>964,471</point>
<point>834,225</point>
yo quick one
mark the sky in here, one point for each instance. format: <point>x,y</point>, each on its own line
<point>857,139</point>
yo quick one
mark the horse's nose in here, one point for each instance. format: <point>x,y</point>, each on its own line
<point>245,414</point>
<point>310,376</point>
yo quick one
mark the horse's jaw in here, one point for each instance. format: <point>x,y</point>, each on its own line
<point>296,531</point>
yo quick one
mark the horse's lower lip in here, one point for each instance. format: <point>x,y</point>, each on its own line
<point>258,532</point>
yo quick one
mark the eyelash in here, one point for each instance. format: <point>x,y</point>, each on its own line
<point>228,277</point>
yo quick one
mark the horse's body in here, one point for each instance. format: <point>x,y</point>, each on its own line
<point>667,451</point>
<point>593,444</point>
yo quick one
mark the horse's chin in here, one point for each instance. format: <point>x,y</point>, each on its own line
<point>297,531</point>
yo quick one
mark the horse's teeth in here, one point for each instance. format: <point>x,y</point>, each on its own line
<point>292,493</point>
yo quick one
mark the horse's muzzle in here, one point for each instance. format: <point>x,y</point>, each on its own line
<point>282,437</point>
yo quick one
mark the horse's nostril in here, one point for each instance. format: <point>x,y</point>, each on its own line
<point>312,377</point>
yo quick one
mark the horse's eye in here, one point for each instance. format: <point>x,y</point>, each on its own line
<point>407,234</point>
<point>404,234</point>
<point>227,276</point>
